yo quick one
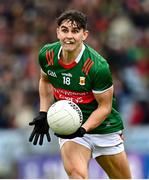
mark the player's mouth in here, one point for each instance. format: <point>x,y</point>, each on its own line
<point>69,42</point>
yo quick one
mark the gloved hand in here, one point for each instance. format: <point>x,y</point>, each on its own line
<point>79,133</point>
<point>41,128</point>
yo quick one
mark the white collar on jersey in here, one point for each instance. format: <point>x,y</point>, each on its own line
<point>79,56</point>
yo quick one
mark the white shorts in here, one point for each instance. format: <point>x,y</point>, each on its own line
<point>100,144</point>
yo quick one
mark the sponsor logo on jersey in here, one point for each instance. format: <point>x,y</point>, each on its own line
<point>82,81</point>
<point>76,97</point>
<point>51,73</point>
<point>67,74</point>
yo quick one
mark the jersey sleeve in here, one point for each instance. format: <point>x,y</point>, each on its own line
<point>42,57</point>
<point>102,80</point>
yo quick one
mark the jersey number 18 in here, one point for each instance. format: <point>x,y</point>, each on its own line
<point>66,80</point>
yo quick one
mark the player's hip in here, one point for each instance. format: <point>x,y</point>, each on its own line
<point>99,144</point>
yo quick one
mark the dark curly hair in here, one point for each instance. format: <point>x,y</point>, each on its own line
<point>75,17</point>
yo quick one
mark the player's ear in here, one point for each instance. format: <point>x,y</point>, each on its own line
<point>57,32</point>
<point>85,35</point>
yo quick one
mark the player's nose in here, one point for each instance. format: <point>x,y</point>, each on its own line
<point>69,35</point>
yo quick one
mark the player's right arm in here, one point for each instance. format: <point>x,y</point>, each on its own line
<point>45,92</point>
<point>40,124</point>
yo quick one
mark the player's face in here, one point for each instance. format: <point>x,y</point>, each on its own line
<point>70,36</point>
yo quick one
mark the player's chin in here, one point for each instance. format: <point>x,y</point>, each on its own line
<point>69,48</point>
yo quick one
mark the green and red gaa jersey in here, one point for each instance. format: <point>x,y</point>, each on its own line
<point>77,82</point>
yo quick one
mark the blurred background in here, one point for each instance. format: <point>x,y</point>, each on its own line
<point>119,31</point>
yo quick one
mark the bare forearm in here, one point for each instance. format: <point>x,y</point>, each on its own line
<point>45,95</point>
<point>96,118</point>
<point>104,109</point>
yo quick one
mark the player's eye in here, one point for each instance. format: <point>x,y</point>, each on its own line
<point>64,30</point>
<point>75,31</point>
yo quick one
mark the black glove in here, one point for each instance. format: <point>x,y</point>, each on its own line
<point>41,128</point>
<point>79,133</point>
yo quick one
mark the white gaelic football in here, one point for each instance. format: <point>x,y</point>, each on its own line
<point>64,117</point>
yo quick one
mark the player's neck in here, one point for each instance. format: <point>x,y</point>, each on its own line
<point>68,57</point>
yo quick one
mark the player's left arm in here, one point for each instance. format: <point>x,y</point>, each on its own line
<point>104,100</point>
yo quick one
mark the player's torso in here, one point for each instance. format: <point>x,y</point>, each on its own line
<point>69,81</point>
<point>72,82</point>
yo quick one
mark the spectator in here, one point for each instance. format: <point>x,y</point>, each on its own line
<point>26,25</point>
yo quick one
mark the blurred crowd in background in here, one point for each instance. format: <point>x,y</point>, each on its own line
<point>119,31</point>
